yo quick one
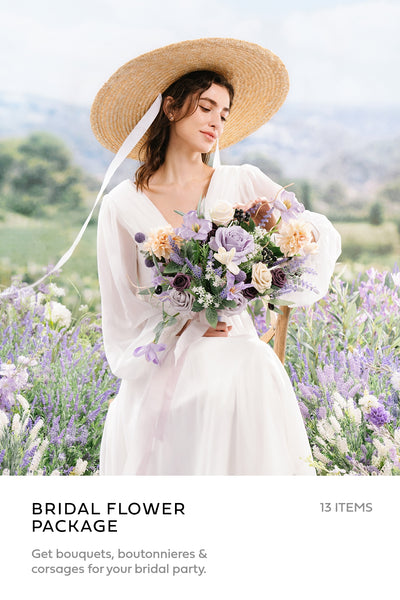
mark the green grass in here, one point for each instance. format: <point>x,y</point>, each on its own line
<point>370,245</point>
<point>28,245</point>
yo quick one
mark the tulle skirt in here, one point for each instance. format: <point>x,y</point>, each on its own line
<point>227,408</point>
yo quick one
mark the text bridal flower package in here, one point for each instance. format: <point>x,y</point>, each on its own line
<point>215,267</point>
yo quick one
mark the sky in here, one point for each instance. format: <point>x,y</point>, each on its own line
<point>338,52</point>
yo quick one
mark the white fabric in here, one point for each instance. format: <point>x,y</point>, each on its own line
<point>227,406</point>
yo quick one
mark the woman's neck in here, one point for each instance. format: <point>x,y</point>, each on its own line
<point>180,168</point>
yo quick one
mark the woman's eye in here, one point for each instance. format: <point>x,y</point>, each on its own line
<point>205,109</point>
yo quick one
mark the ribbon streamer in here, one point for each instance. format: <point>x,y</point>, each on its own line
<point>127,146</point>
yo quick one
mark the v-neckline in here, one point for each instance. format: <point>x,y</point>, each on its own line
<point>158,211</point>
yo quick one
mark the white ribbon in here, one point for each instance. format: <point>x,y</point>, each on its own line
<point>193,332</point>
<point>127,146</point>
<point>217,158</point>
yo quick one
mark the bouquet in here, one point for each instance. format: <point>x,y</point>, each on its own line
<point>221,264</point>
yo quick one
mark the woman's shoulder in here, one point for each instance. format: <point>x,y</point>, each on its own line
<point>244,169</point>
<point>119,193</point>
<point>250,179</point>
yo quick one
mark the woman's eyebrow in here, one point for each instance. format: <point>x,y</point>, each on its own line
<point>213,102</point>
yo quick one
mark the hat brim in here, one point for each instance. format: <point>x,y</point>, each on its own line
<point>259,78</point>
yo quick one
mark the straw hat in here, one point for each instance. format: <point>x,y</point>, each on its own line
<point>258,76</point>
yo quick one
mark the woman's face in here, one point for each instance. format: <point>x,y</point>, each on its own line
<point>199,131</point>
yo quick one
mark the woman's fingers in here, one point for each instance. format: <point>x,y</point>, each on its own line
<point>221,330</point>
<point>251,204</point>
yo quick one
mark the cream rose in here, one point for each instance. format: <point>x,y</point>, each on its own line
<point>261,277</point>
<point>222,213</point>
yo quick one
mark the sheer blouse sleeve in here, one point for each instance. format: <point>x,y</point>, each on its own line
<point>255,183</point>
<point>128,320</point>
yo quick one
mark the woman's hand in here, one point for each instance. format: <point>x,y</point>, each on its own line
<point>263,207</point>
<point>222,330</point>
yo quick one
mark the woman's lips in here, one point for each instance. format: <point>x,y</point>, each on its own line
<point>209,136</point>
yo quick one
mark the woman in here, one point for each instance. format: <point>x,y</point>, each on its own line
<point>220,403</point>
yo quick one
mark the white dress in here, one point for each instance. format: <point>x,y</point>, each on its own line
<point>225,406</point>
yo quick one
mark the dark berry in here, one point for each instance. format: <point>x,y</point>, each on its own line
<point>158,289</point>
<point>268,257</point>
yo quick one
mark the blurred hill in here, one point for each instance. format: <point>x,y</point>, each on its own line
<point>359,148</point>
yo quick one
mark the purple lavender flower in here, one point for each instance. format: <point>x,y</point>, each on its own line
<point>233,237</point>
<point>378,416</point>
<point>288,205</point>
<point>304,410</point>
<point>194,228</point>
<point>150,352</point>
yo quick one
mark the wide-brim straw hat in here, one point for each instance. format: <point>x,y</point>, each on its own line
<point>259,78</point>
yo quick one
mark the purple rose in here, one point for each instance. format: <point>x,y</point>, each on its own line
<point>181,301</point>
<point>278,277</point>
<point>241,304</point>
<point>250,293</point>
<point>233,237</point>
<point>181,282</point>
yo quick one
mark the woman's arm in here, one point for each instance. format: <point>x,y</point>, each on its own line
<point>255,184</point>
<point>128,321</point>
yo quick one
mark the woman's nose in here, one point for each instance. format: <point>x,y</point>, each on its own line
<point>215,122</point>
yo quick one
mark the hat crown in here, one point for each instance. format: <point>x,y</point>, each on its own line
<point>258,76</point>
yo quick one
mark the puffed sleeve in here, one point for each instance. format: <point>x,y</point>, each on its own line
<point>254,183</point>
<point>128,320</point>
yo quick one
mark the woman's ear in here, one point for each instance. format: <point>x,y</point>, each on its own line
<point>168,108</point>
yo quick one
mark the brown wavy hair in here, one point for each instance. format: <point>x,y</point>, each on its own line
<point>154,149</point>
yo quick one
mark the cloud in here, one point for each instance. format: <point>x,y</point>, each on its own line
<point>343,54</point>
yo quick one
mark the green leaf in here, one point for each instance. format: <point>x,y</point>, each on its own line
<point>171,321</point>
<point>229,304</point>
<point>171,268</point>
<point>212,316</point>
<point>252,225</point>
<point>197,307</point>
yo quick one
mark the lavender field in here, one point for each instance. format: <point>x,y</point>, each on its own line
<point>343,357</point>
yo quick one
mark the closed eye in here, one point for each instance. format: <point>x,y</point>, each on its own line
<point>205,109</point>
